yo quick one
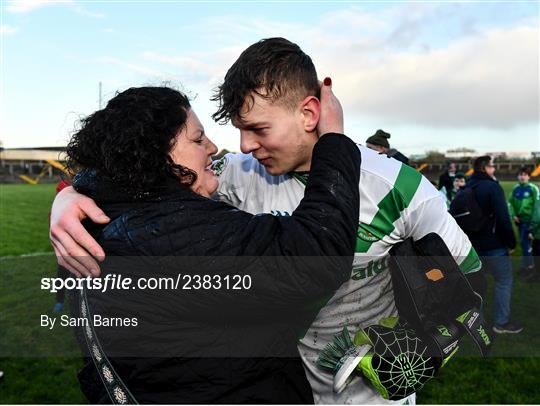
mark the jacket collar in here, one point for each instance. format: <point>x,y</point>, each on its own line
<point>478,176</point>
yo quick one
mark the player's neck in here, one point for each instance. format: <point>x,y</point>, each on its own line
<point>305,164</point>
<point>305,167</point>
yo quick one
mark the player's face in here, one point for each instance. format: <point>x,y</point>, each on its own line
<point>275,135</point>
<point>194,150</point>
<point>523,177</point>
<point>452,168</point>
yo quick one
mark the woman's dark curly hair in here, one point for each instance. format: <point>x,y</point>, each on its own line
<point>130,139</point>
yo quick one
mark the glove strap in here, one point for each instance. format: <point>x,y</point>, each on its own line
<point>443,340</point>
<point>471,322</point>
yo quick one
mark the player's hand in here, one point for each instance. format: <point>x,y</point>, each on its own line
<point>516,219</point>
<point>331,118</point>
<point>531,236</point>
<point>74,247</point>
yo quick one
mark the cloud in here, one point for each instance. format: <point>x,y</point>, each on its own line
<point>387,66</point>
<point>483,78</point>
<point>7,29</point>
<point>144,70</point>
<point>189,63</point>
<point>490,80</point>
<point>201,67</point>
<point>84,12</point>
<point>412,20</point>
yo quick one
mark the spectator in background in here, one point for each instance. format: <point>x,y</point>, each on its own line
<point>61,271</point>
<point>459,182</point>
<point>493,241</point>
<point>379,142</point>
<point>520,204</point>
<point>446,180</point>
<point>534,235</point>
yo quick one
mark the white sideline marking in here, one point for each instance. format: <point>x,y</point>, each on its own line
<point>33,254</point>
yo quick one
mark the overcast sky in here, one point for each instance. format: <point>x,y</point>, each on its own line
<point>436,75</point>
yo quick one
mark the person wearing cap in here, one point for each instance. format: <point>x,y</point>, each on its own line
<point>379,142</point>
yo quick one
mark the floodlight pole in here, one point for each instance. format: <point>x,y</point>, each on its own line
<point>100,95</point>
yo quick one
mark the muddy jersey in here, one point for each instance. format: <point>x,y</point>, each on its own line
<point>396,202</point>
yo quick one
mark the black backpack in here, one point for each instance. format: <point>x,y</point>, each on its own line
<point>466,210</point>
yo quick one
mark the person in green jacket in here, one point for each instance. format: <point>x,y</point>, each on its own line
<point>534,235</point>
<point>520,205</point>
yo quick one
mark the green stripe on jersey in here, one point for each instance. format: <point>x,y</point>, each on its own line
<point>302,178</point>
<point>471,263</point>
<point>390,208</point>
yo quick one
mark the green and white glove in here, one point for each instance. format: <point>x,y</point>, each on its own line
<point>390,355</point>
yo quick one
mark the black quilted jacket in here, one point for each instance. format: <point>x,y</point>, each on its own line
<point>220,344</point>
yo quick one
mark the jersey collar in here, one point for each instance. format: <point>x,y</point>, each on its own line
<point>300,176</point>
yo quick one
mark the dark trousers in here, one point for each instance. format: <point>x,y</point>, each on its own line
<point>499,265</point>
<point>536,254</point>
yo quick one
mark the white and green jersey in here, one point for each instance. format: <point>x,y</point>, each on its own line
<point>396,202</point>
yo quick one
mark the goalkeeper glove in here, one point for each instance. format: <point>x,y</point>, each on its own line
<point>390,355</point>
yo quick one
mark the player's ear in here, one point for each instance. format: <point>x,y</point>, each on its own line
<point>311,112</point>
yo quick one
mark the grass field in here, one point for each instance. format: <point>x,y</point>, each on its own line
<point>40,366</point>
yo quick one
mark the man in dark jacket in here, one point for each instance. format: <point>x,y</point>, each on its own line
<point>494,240</point>
<point>379,142</point>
